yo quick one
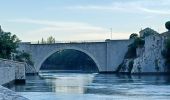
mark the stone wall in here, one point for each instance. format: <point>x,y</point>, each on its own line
<point>7,74</point>
<point>11,70</point>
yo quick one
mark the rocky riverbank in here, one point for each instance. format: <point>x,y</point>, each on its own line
<point>11,71</point>
<point>6,94</point>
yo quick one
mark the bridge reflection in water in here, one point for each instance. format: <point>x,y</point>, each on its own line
<point>94,86</point>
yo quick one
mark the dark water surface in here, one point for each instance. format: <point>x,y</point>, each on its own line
<point>51,85</point>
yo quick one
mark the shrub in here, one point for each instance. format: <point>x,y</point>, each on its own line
<point>166,54</point>
<point>8,44</point>
<point>24,57</point>
<point>167,25</point>
<point>133,36</point>
<point>131,53</point>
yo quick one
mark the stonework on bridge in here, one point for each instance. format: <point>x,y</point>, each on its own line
<point>106,55</point>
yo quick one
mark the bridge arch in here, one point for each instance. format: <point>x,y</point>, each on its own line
<point>67,48</point>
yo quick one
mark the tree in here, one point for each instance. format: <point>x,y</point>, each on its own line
<point>43,41</point>
<point>50,40</point>
<point>8,44</point>
<point>24,57</point>
<point>167,25</point>
<point>133,36</point>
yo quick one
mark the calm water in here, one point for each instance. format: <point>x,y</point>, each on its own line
<point>75,86</point>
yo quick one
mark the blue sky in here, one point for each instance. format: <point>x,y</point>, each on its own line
<point>69,20</point>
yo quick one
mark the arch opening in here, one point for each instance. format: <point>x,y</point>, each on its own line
<point>70,60</point>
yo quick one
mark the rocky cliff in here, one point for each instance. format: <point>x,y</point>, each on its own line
<point>148,58</point>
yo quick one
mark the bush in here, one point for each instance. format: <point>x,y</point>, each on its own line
<point>166,54</point>
<point>131,53</point>
<point>133,36</point>
<point>24,57</point>
<point>8,44</point>
<point>139,42</point>
<point>167,25</point>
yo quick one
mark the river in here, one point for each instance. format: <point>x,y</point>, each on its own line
<point>54,85</point>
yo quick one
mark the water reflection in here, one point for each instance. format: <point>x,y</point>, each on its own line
<point>68,82</point>
<point>105,86</point>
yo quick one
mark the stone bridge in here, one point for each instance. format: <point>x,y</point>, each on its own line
<point>107,55</point>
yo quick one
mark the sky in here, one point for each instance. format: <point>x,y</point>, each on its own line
<point>79,20</point>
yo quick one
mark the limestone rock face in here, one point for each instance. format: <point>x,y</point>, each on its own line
<point>6,94</point>
<point>11,70</point>
<point>149,58</point>
<point>125,66</point>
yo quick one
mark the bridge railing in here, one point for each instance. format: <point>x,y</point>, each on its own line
<point>78,41</point>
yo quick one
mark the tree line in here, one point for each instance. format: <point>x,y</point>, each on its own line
<point>49,40</point>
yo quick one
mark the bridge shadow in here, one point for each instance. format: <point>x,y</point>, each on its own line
<point>70,60</point>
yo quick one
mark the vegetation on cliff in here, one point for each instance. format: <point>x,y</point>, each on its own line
<point>8,48</point>
<point>167,25</point>
<point>133,36</point>
<point>8,44</point>
<point>138,43</point>
<point>166,51</point>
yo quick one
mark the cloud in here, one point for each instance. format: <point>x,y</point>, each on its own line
<point>66,31</point>
<point>144,6</point>
<point>154,11</point>
<point>61,30</point>
<point>77,27</point>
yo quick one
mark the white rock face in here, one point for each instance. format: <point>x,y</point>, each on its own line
<point>11,70</point>
<point>125,65</point>
<point>149,59</point>
<point>6,94</point>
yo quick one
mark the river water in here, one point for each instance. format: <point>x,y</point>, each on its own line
<point>52,85</point>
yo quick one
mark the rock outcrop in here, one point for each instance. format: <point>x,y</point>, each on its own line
<point>148,58</point>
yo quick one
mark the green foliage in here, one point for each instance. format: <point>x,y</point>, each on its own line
<point>131,53</point>
<point>138,43</point>
<point>133,36</point>
<point>24,57</point>
<point>69,60</point>
<point>167,25</point>
<point>50,40</point>
<point>8,48</point>
<point>166,54</point>
<point>8,44</point>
